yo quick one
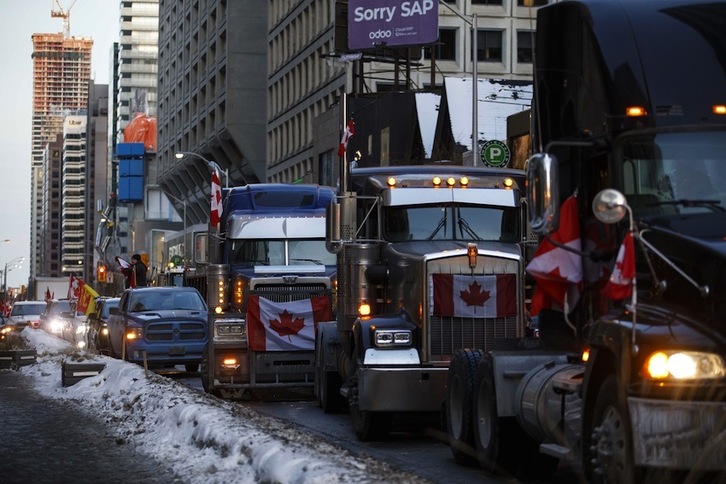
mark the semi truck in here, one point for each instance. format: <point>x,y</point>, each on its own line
<point>430,258</point>
<point>627,184</point>
<point>269,282</point>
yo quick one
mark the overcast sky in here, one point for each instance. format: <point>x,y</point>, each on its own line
<point>19,20</point>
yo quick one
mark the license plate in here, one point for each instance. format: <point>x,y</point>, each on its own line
<point>176,351</point>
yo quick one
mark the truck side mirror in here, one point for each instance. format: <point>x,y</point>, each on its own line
<point>543,193</point>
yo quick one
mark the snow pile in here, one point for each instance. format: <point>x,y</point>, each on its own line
<point>204,439</point>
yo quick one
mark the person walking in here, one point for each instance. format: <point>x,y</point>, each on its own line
<point>140,270</point>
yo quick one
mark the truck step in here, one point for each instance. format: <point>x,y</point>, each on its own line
<point>558,451</point>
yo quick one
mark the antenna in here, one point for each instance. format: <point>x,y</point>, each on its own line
<point>65,15</point>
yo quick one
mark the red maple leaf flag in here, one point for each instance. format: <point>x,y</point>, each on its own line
<point>620,284</point>
<point>481,296</point>
<point>215,212</point>
<point>558,271</point>
<point>347,134</point>
<point>287,326</point>
<point>74,288</point>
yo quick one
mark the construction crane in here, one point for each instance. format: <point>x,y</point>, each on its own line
<point>65,14</point>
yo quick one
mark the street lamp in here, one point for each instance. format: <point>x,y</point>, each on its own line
<point>17,260</point>
<point>211,164</point>
<point>184,238</point>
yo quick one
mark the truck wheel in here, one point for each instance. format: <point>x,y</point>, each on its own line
<point>204,374</point>
<point>368,426</point>
<point>191,367</point>
<point>459,417</point>
<point>612,451</point>
<point>329,397</point>
<point>501,444</point>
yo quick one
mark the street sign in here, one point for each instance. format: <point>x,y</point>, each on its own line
<point>177,260</point>
<point>495,154</point>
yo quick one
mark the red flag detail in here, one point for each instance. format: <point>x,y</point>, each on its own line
<point>215,213</point>
<point>482,296</point>
<point>288,326</point>
<point>620,284</point>
<point>48,295</point>
<point>557,271</point>
<point>347,134</point>
<point>74,288</point>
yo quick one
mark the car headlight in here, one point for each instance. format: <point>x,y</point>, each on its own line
<point>81,329</point>
<point>392,337</point>
<point>684,365</point>
<point>5,329</point>
<point>56,325</point>
<point>134,333</point>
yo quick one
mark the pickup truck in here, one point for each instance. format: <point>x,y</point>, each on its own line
<point>159,326</point>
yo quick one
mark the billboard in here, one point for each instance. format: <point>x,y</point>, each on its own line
<point>391,23</point>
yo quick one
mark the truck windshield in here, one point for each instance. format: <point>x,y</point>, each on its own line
<point>451,222</point>
<point>674,173</point>
<point>279,252</point>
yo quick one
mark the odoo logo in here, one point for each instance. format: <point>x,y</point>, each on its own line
<point>380,34</point>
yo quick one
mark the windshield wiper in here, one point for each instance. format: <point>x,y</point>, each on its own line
<point>464,226</point>
<point>442,224</point>
<point>314,261</point>
<point>715,205</point>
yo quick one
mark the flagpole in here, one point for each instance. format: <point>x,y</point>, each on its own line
<point>634,285</point>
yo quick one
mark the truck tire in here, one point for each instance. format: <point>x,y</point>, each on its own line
<point>329,397</point>
<point>502,446</point>
<point>611,444</point>
<point>368,426</point>
<point>459,405</point>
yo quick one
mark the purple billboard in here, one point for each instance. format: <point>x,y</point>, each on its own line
<point>391,23</point>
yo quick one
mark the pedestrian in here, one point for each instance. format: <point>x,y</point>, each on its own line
<point>140,270</point>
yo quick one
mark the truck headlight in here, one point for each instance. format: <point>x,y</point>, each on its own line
<point>134,333</point>
<point>392,337</point>
<point>684,365</point>
<point>230,330</point>
<point>56,325</point>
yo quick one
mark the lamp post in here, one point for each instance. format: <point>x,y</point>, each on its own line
<point>211,164</point>
<point>184,238</point>
<point>5,272</point>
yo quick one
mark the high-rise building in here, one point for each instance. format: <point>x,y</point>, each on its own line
<point>73,203</point>
<point>61,74</point>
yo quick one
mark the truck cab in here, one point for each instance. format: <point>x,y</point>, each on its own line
<point>269,284</point>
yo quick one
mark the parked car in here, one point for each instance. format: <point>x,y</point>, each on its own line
<point>97,321</point>
<point>61,319</point>
<point>25,313</point>
<point>166,326</point>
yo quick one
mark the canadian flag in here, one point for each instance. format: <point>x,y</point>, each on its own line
<point>287,326</point>
<point>482,296</point>
<point>620,284</point>
<point>557,270</point>
<point>347,134</point>
<point>48,295</point>
<point>74,288</point>
<point>128,270</point>
<point>215,213</point>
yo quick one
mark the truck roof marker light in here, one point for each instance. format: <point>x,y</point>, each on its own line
<point>391,181</point>
<point>635,111</point>
<point>218,310</point>
<point>436,181</point>
<point>508,182</point>
<point>719,109</point>
<point>585,355</point>
<point>472,251</point>
<point>464,181</point>
<point>364,309</point>
<point>451,181</point>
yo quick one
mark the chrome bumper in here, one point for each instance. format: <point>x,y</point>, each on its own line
<point>679,434</point>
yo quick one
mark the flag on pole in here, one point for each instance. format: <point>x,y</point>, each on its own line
<point>481,296</point>
<point>347,134</point>
<point>86,298</point>
<point>73,288</point>
<point>127,269</point>
<point>215,213</point>
<point>620,284</point>
<point>557,270</point>
<point>48,295</point>
<point>285,326</point>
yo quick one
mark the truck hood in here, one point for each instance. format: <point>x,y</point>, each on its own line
<point>168,314</point>
<point>704,233</point>
<point>428,248</point>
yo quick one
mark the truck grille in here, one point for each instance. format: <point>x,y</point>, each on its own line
<point>450,334</point>
<point>282,293</point>
<point>186,331</point>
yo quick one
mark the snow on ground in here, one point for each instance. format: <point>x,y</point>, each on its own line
<point>202,438</point>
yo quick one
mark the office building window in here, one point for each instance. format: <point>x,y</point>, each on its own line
<point>445,48</point>
<point>525,44</point>
<point>489,45</point>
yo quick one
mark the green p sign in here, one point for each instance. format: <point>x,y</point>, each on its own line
<point>495,154</point>
<point>177,260</point>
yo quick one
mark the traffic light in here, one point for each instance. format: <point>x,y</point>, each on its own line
<point>101,273</point>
